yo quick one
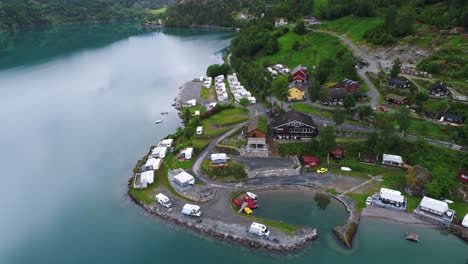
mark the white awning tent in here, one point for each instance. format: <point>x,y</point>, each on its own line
<point>153,163</point>
<point>184,179</point>
<point>218,158</point>
<point>392,159</point>
<point>391,195</point>
<point>465,221</point>
<point>166,143</point>
<point>433,205</point>
<point>147,177</point>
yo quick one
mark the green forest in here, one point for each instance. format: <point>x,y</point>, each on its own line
<point>21,14</point>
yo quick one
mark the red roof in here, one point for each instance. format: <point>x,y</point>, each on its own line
<point>463,176</point>
<point>309,159</point>
<point>337,152</point>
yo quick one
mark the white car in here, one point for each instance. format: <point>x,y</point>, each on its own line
<point>199,130</point>
<point>252,195</point>
<point>369,201</point>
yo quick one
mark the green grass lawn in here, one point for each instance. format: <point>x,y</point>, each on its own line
<point>353,27</point>
<point>359,198</point>
<point>205,93</point>
<point>363,170</point>
<point>317,47</point>
<point>310,109</point>
<point>428,129</point>
<point>158,11</point>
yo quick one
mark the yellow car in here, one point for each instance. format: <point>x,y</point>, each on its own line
<point>322,170</point>
<point>248,211</point>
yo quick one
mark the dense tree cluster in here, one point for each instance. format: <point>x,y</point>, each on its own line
<point>217,69</point>
<point>21,14</point>
<point>396,25</point>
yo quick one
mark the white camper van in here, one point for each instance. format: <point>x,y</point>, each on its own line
<point>259,229</point>
<point>163,200</point>
<point>192,210</point>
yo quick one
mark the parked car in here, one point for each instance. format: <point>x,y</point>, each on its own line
<point>369,201</point>
<point>383,109</point>
<point>249,200</point>
<point>248,211</point>
<point>237,202</point>
<point>259,229</point>
<point>322,170</point>
<point>252,195</point>
<point>252,205</point>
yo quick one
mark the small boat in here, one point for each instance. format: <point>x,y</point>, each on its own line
<point>412,236</point>
<point>164,113</point>
<point>158,121</point>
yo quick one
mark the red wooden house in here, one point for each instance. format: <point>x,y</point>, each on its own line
<point>300,73</point>
<point>337,154</point>
<point>350,85</point>
<point>310,161</point>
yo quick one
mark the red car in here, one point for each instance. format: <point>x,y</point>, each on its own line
<point>252,205</point>
<point>237,202</point>
<point>249,200</point>
<point>383,109</point>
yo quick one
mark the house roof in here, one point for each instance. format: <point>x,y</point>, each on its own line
<point>183,177</point>
<point>453,116</point>
<point>256,141</point>
<point>391,195</point>
<point>299,85</point>
<point>397,81</point>
<point>337,152</point>
<point>348,83</point>
<point>153,162</point>
<point>392,158</point>
<point>337,93</point>
<point>278,19</point>
<point>219,156</point>
<point>395,97</point>
<point>437,86</point>
<point>308,159</point>
<point>292,115</point>
<point>299,68</point>
<point>434,204</point>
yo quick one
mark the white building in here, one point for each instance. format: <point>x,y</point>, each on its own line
<point>219,158</point>
<point>190,103</point>
<point>433,206</point>
<point>391,196</point>
<point>153,164</point>
<point>184,179</point>
<point>281,22</point>
<point>166,143</point>
<point>392,160</point>
<point>435,210</point>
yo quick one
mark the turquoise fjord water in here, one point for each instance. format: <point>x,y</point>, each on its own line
<point>78,105</point>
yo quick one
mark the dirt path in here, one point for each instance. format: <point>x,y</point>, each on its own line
<point>394,216</point>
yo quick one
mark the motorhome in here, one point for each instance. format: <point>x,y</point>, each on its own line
<point>259,229</point>
<point>191,210</point>
<point>163,200</point>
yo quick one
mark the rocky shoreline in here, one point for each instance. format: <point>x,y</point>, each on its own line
<point>223,231</point>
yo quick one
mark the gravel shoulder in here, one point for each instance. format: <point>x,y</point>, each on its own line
<point>394,216</point>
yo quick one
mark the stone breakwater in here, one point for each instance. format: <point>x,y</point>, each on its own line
<point>236,233</point>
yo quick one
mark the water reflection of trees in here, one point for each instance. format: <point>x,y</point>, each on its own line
<point>322,200</point>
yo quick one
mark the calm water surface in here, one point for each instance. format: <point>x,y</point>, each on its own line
<point>77,108</point>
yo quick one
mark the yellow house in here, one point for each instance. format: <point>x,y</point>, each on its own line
<point>297,91</point>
